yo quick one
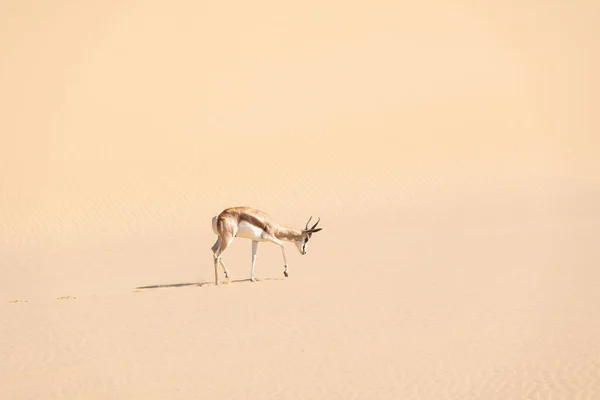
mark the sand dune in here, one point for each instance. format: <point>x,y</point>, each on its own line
<point>451,151</point>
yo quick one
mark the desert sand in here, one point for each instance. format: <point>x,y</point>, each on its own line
<point>451,150</point>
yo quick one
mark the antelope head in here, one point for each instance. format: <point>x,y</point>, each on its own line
<point>302,242</point>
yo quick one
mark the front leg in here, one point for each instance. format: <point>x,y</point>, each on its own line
<point>278,242</point>
<point>254,248</point>
<point>285,271</point>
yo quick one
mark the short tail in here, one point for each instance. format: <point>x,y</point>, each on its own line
<point>214,225</point>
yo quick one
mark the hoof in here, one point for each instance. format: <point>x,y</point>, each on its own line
<point>253,279</point>
<point>285,273</point>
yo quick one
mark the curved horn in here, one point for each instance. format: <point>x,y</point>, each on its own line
<point>313,227</point>
<point>306,228</point>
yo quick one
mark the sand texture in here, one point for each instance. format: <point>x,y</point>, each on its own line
<point>451,149</point>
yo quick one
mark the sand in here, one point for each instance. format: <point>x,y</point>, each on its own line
<point>450,149</point>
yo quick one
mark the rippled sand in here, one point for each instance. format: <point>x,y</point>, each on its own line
<point>451,151</point>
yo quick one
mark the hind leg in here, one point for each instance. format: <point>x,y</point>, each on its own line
<point>218,248</point>
<point>224,269</point>
<point>216,261</point>
<point>214,249</point>
<point>216,245</point>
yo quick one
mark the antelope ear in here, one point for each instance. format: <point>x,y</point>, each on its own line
<point>315,230</point>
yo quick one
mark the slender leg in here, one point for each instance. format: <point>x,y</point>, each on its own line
<point>216,260</point>
<point>214,249</point>
<point>285,271</point>
<point>224,269</point>
<point>254,248</point>
<point>223,242</point>
<point>278,242</point>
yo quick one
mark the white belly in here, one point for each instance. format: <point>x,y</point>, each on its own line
<point>249,231</point>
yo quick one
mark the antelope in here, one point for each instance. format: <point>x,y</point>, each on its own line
<point>253,224</point>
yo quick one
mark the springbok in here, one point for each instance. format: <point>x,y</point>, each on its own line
<point>249,223</point>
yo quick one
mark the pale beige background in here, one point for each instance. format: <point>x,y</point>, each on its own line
<point>450,148</point>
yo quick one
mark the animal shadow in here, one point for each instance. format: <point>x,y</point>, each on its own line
<point>201,284</point>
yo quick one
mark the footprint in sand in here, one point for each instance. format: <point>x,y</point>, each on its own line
<point>66,298</point>
<point>18,301</point>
